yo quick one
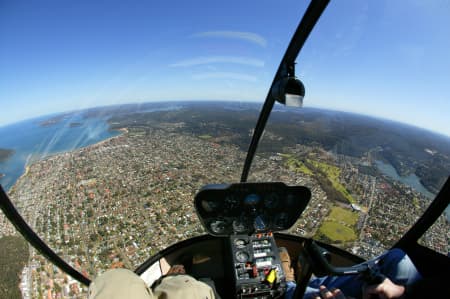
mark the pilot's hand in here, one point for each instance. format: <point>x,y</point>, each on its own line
<point>330,294</point>
<point>176,269</point>
<point>385,290</point>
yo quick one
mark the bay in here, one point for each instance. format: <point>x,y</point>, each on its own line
<point>412,180</point>
<point>40,137</point>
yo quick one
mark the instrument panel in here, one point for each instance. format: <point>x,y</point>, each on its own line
<point>247,208</point>
<point>257,270</point>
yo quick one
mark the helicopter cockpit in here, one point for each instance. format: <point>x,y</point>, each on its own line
<point>162,183</point>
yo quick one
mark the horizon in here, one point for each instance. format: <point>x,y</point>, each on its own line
<point>82,110</point>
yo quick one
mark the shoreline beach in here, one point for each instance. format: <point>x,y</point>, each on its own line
<point>30,164</point>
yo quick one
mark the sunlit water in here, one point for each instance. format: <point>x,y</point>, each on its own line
<point>411,180</point>
<point>32,141</point>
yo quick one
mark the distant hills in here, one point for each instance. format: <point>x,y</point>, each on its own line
<point>410,150</point>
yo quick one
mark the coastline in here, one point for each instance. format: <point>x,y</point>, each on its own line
<point>123,131</point>
<point>412,180</point>
<point>27,170</point>
<point>30,164</point>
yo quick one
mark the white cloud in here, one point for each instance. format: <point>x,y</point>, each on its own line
<point>225,75</point>
<point>219,59</point>
<point>246,36</point>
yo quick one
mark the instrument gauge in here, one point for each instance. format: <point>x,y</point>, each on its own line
<point>282,221</point>
<point>239,226</point>
<point>252,199</point>
<point>271,201</point>
<point>218,226</point>
<point>242,256</point>
<point>232,201</point>
<point>240,243</point>
<point>210,205</point>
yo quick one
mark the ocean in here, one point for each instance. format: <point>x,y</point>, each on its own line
<point>38,138</point>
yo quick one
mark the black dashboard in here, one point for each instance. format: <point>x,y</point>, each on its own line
<point>248,208</point>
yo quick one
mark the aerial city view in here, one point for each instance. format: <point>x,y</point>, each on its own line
<point>114,116</point>
<point>121,200</point>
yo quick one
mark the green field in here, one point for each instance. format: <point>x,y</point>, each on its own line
<point>332,173</point>
<point>339,214</point>
<point>205,136</point>
<point>337,232</point>
<point>296,165</point>
<point>312,167</point>
<point>339,225</point>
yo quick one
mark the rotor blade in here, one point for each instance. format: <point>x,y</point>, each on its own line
<point>27,232</point>
<point>309,20</point>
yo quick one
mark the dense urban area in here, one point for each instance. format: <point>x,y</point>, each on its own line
<point>118,202</point>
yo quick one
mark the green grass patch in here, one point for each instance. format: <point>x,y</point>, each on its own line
<point>332,173</point>
<point>336,232</point>
<point>339,226</point>
<point>339,214</point>
<point>416,203</point>
<point>205,136</point>
<point>296,165</point>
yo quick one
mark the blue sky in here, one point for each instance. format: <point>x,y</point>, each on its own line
<point>380,58</point>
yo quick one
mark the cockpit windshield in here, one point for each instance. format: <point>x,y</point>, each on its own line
<point>369,141</point>
<point>114,115</point>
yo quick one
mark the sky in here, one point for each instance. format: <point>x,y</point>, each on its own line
<point>389,59</point>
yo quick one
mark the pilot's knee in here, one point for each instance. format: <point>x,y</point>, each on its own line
<point>399,267</point>
<point>119,283</point>
<point>183,286</point>
<point>393,257</point>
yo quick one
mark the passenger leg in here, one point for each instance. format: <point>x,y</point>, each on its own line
<point>395,264</point>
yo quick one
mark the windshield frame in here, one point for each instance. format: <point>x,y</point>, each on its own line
<point>286,69</point>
